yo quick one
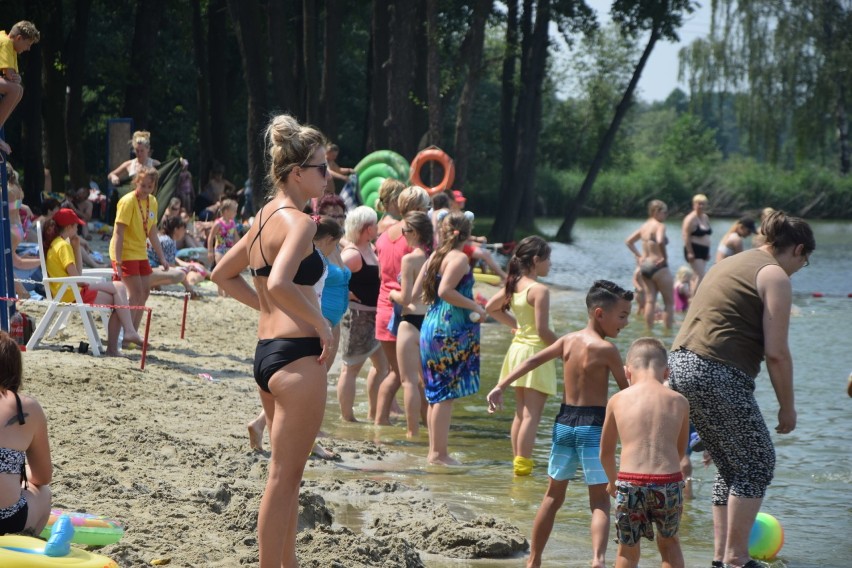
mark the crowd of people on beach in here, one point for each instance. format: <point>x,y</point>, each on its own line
<point>329,281</point>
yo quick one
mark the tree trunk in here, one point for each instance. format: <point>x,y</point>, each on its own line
<point>433,74</point>
<point>842,127</point>
<point>217,32</point>
<point>202,90</point>
<point>310,23</point>
<point>53,107</point>
<point>533,68</point>
<point>137,93</point>
<point>76,57</point>
<point>504,222</point>
<point>32,142</point>
<point>246,17</point>
<point>377,78</point>
<point>399,121</point>
<point>572,212</point>
<point>472,55</point>
<point>285,19</point>
<point>331,52</point>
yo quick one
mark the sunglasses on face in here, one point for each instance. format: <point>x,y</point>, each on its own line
<point>323,167</point>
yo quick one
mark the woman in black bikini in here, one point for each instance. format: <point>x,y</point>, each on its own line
<point>696,239</point>
<point>25,466</point>
<point>294,337</point>
<point>653,264</point>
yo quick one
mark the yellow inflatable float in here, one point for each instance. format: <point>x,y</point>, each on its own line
<point>27,552</point>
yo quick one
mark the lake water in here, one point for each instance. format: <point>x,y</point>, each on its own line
<point>810,494</point>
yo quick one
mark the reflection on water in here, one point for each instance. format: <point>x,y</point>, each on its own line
<point>810,493</point>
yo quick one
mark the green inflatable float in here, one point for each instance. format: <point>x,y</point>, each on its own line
<point>376,168</point>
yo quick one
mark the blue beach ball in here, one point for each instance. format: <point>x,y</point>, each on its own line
<point>766,537</point>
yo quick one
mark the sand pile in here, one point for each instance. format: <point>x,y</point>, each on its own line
<point>165,451</point>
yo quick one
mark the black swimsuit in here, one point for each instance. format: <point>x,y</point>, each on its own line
<point>13,519</point>
<point>271,355</point>
<point>701,252</point>
<point>310,269</point>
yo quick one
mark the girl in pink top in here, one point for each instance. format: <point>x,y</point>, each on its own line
<point>391,246</point>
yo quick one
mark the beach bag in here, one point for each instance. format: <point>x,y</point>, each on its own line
<point>396,318</point>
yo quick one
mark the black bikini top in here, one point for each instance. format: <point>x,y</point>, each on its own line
<point>310,269</point>
<point>699,232</point>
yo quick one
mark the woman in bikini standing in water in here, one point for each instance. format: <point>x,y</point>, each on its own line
<point>294,337</point>
<point>696,239</point>
<point>653,262</point>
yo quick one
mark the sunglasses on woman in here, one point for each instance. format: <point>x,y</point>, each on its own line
<point>323,167</point>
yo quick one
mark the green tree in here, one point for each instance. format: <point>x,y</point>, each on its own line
<point>788,64</point>
<point>660,18</point>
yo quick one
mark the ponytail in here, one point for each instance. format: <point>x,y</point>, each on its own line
<point>49,231</point>
<point>521,263</point>
<point>455,230</point>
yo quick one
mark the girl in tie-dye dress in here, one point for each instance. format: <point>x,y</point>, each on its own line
<point>449,340</point>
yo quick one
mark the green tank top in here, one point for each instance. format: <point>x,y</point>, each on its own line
<point>725,318</point>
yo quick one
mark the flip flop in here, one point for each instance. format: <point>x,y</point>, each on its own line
<point>67,349</point>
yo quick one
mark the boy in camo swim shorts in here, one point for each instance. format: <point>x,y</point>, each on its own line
<point>653,424</point>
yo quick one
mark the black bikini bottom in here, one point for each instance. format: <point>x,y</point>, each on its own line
<point>701,252</point>
<point>414,319</point>
<point>16,522</point>
<point>271,355</point>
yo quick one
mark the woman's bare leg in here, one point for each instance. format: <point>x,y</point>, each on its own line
<point>375,377</point>
<point>389,385</point>
<point>410,368</point>
<point>346,391</point>
<point>439,433</point>
<point>294,411</point>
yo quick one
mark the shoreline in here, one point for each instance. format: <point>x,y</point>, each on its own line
<point>165,451</point>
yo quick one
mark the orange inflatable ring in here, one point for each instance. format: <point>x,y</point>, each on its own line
<point>433,154</point>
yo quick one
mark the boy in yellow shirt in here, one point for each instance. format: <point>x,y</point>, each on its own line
<point>20,38</point>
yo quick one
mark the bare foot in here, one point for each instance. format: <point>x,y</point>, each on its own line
<point>132,338</point>
<point>116,354</point>
<point>323,453</point>
<point>443,460</point>
<point>255,432</point>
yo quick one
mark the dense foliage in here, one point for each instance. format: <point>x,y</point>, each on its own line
<point>703,140</point>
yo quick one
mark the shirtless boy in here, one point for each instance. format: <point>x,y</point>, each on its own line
<point>653,424</point>
<point>588,359</point>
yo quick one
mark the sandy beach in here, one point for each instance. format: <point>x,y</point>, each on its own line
<point>165,451</point>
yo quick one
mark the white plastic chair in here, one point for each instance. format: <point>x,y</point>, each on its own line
<point>56,314</point>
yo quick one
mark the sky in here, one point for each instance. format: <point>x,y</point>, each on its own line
<point>659,78</point>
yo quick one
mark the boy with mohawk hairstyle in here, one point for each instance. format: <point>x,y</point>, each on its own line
<point>588,359</point>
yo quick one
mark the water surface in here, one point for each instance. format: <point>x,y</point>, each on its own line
<point>810,494</point>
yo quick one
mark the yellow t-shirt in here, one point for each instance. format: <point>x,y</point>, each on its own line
<point>129,213</point>
<point>59,256</point>
<point>8,57</point>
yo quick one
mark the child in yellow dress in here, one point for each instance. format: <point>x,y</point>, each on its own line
<point>529,303</point>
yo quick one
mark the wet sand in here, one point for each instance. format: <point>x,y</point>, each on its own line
<point>166,452</point>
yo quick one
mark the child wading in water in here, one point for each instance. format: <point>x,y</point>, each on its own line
<point>529,302</point>
<point>652,422</point>
<point>587,361</point>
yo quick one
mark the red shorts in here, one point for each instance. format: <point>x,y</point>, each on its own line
<point>88,295</point>
<point>131,268</point>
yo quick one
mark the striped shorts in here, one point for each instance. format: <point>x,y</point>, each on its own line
<point>577,441</point>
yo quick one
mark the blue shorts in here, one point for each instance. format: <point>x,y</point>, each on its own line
<point>577,440</point>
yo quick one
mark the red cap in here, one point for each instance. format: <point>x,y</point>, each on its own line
<point>65,217</point>
<point>458,196</point>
